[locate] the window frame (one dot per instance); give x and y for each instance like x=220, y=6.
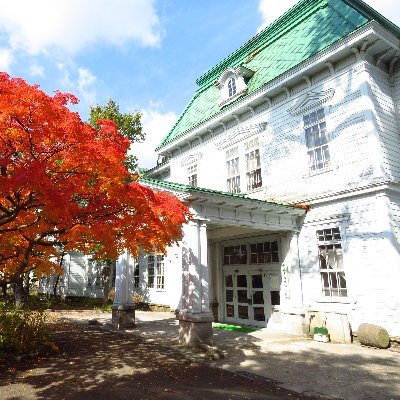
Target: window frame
x=231, y=86
x=136, y=276
x=316, y=130
x=233, y=170
x=157, y=278
x=192, y=174
x=328, y=292
x=271, y=242
x=253, y=175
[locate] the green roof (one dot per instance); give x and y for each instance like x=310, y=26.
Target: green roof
x=306, y=29
x=193, y=189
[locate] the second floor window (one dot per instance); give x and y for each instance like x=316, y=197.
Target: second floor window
x=253, y=169
x=232, y=169
x=316, y=140
x=192, y=175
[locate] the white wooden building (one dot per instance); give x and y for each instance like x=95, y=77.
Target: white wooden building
x=288, y=156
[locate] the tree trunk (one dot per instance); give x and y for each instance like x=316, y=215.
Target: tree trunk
x=4, y=290
x=20, y=295
x=55, y=286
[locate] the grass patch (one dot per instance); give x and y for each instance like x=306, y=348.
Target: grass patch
x=236, y=328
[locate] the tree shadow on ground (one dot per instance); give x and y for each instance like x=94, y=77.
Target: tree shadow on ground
x=315, y=368
x=97, y=364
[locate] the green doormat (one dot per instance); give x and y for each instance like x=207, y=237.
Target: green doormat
x=237, y=328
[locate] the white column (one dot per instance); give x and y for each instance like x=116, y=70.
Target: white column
x=195, y=279
x=124, y=280
x=123, y=309
x=195, y=319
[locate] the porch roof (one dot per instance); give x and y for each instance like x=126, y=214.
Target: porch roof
x=233, y=208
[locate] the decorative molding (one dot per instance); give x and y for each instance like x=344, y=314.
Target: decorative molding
x=311, y=100
x=191, y=159
x=240, y=134
x=239, y=71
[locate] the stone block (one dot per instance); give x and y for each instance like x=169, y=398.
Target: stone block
x=373, y=335
x=123, y=316
x=195, y=329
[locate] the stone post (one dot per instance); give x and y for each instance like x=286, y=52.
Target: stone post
x=123, y=309
x=195, y=318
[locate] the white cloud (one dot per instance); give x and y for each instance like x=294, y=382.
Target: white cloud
x=156, y=125
x=72, y=25
x=6, y=59
x=271, y=10
x=36, y=70
x=86, y=80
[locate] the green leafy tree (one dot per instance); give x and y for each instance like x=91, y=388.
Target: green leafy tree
x=129, y=125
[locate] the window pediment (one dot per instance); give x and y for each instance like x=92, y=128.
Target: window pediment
x=240, y=134
x=191, y=159
x=311, y=100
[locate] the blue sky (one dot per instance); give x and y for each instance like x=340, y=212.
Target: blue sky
x=145, y=54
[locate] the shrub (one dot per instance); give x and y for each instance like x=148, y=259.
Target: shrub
x=137, y=298
x=22, y=331
x=320, y=330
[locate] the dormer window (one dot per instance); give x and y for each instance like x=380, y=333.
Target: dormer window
x=233, y=84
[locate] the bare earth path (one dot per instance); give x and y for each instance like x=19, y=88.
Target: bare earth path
x=96, y=364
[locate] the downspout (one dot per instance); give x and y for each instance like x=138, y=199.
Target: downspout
x=300, y=274
x=200, y=266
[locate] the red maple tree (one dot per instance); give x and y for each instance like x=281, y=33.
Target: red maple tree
x=63, y=182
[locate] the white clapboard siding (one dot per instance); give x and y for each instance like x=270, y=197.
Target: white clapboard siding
x=385, y=96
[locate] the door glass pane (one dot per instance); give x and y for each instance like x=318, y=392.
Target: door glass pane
x=228, y=281
x=230, y=310
x=242, y=281
x=257, y=281
x=243, y=312
x=259, y=314
x=258, y=297
x=229, y=296
x=275, y=298
x=242, y=296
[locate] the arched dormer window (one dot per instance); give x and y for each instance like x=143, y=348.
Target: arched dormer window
x=233, y=84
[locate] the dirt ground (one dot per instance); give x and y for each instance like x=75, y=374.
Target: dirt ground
x=92, y=363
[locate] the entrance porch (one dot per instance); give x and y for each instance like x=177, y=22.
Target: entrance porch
x=239, y=260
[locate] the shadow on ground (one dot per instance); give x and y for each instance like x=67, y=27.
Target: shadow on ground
x=97, y=364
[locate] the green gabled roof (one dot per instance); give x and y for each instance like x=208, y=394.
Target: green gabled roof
x=194, y=189
x=306, y=29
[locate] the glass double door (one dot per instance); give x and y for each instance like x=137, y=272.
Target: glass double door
x=247, y=298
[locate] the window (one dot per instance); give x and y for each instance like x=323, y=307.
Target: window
x=155, y=271
x=136, y=276
x=192, y=175
x=316, y=140
x=94, y=275
x=235, y=254
x=231, y=86
x=266, y=252
x=331, y=263
x=232, y=169
x=253, y=169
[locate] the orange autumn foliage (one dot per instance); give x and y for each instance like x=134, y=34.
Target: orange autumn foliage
x=64, y=182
